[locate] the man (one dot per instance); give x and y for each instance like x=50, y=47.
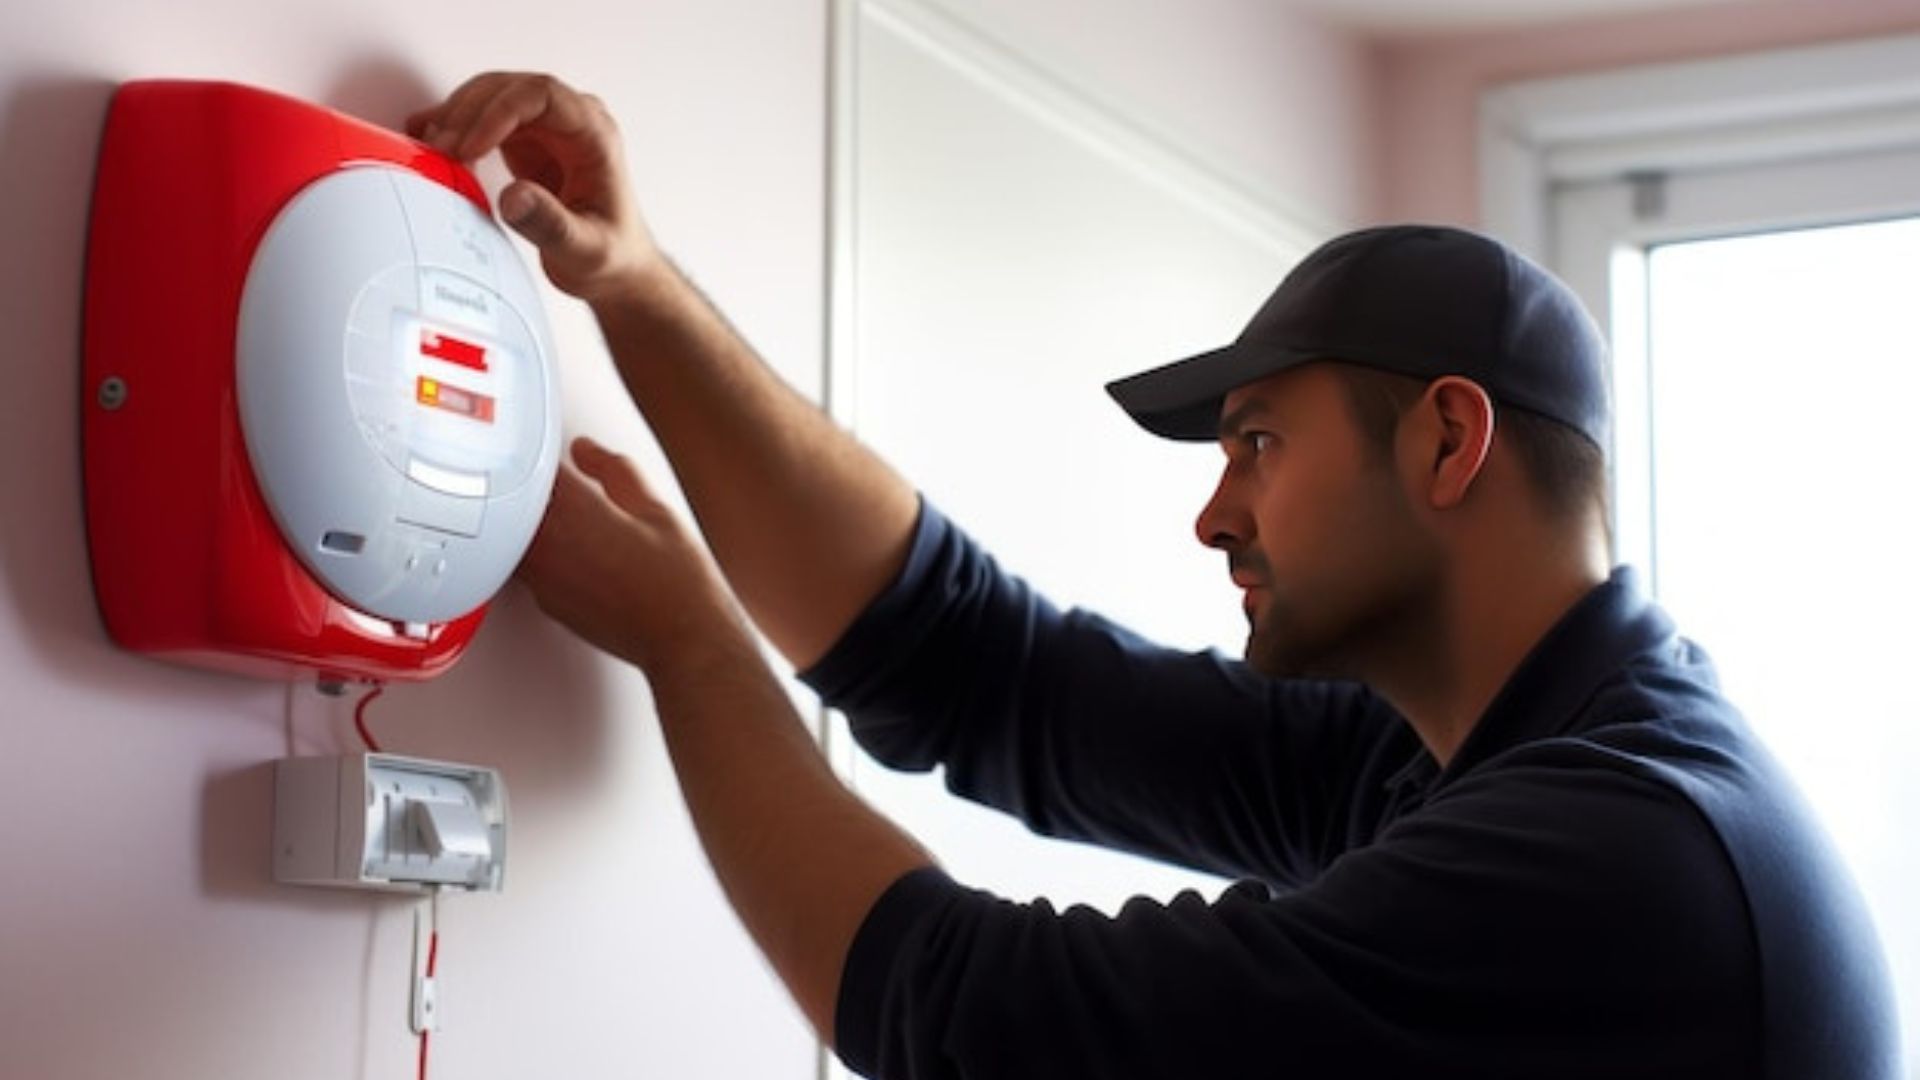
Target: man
x=1493, y=817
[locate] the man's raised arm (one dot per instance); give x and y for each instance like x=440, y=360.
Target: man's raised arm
x=807, y=524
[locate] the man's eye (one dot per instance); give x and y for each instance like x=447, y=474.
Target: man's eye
x=1260, y=441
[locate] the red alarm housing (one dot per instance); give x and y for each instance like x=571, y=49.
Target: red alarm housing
x=295, y=322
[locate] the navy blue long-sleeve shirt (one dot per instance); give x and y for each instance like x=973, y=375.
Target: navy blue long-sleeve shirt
x=1611, y=878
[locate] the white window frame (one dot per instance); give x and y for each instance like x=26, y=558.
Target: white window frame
x=1781, y=110
x=1810, y=102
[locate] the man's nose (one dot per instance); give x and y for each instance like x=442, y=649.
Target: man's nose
x=1222, y=523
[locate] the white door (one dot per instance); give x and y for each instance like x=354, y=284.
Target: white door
x=1006, y=245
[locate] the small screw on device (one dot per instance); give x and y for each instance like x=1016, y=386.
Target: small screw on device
x=113, y=392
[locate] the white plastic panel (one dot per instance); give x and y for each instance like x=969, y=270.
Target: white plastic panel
x=428, y=822
x=383, y=821
x=397, y=393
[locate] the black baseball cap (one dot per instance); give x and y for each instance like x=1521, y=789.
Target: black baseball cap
x=1420, y=300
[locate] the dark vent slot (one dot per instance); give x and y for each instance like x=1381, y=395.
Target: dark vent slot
x=343, y=543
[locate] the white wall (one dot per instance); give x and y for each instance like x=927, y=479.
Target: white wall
x=1010, y=254
x=140, y=934
x=1273, y=91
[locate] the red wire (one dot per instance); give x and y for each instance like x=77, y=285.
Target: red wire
x=360, y=718
x=433, y=961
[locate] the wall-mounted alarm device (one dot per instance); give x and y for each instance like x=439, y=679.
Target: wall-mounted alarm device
x=320, y=414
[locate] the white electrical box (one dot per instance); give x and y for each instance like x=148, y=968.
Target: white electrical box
x=382, y=821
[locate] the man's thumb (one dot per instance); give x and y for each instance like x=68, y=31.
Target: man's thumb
x=534, y=213
x=617, y=475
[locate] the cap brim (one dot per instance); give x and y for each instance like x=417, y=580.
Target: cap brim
x=1182, y=400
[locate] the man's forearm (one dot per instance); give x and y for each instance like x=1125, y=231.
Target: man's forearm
x=801, y=858
x=807, y=524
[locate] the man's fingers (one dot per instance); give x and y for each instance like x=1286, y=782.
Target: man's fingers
x=616, y=474
x=416, y=123
x=523, y=101
x=536, y=214
x=467, y=107
x=483, y=111
x=433, y=125
x=569, y=483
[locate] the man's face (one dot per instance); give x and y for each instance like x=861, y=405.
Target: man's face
x=1317, y=529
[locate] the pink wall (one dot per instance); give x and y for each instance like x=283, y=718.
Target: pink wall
x=140, y=934
x=1429, y=88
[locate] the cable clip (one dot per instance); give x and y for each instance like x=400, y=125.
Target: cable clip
x=426, y=955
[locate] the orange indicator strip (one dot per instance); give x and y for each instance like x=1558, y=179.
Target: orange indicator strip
x=436, y=394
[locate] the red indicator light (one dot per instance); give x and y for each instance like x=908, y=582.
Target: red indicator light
x=438, y=395
x=453, y=350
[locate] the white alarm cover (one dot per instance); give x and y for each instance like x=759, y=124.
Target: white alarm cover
x=397, y=393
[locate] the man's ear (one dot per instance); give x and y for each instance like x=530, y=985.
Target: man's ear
x=1459, y=415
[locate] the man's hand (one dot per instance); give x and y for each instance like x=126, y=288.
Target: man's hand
x=617, y=567
x=801, y=859
x=570, y=195
x=808, y=525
